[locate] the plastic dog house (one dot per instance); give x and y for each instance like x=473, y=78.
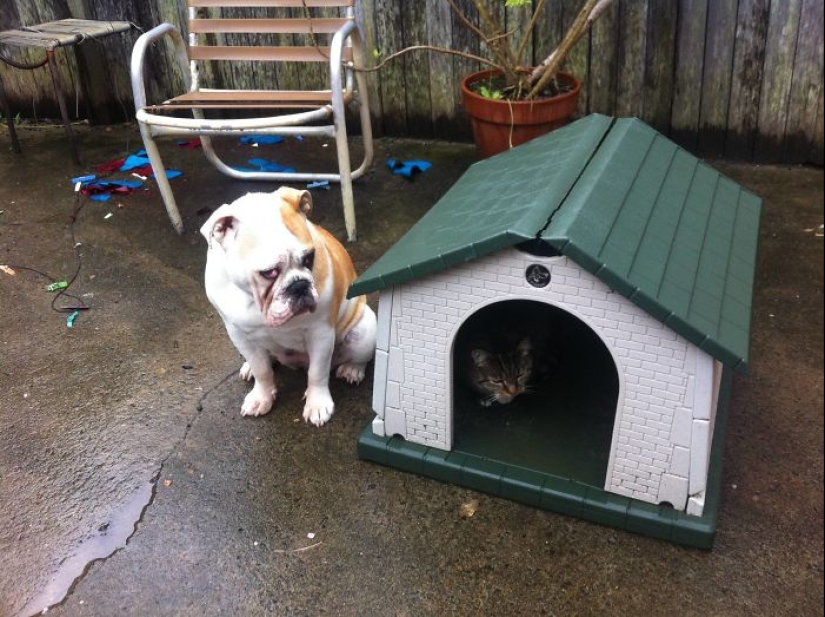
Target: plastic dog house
x=643, y=257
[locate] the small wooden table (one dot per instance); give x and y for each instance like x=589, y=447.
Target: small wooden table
x=49, y=36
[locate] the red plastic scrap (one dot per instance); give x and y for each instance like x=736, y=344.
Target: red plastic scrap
x=111, y=166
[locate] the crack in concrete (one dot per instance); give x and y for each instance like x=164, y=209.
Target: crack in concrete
x=113, y=537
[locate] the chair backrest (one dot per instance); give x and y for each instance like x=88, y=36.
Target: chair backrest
x=289, y=33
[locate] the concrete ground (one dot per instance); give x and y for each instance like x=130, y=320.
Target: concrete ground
x=131, y=485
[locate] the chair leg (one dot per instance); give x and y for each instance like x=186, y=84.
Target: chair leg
x=345, y=170
x=6, y=109
x=61, y=101
x=366, y=123
x=161, y=178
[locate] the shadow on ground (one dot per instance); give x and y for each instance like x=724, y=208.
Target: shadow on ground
x=131, y=485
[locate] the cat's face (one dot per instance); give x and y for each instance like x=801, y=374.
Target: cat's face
x=502, y=376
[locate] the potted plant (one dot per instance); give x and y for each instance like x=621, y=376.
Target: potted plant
x=511, y=102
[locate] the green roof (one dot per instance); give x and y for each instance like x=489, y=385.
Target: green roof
x=650, y=220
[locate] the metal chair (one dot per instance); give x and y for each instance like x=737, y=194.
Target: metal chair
x=222, y=32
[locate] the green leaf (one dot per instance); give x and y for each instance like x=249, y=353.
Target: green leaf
x=490, y=94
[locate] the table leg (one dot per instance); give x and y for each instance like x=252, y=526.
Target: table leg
x=4, y=102
x=61, y=101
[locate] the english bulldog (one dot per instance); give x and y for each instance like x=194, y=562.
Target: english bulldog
x=280, y=284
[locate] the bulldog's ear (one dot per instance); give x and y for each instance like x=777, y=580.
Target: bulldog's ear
x=219, y=224
x=300, y=200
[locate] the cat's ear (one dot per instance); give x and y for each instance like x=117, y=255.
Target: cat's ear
x=480, y=357
x=525, y=347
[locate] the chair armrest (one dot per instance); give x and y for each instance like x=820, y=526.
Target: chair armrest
x=351, y=32
x=139, y=59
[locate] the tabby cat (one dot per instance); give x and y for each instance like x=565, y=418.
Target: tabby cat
x=507, y=350
x=500, y=374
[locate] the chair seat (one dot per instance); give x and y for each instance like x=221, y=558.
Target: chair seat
x=246, y=99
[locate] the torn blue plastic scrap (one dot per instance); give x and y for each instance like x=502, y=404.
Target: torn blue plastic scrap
x=261, y=139
x=408, y=169
x=70, y=319
x=264, y=165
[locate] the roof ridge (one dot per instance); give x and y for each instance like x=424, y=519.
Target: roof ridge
x=571, y=188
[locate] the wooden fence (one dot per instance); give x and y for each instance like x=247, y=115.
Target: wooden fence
x=735, y=79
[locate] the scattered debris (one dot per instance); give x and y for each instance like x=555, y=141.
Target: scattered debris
x=265, y=165
x=138, y=164
x=192, y=143
x=468, y=509
x=299, y=550
x=818, y=232
x=408, y=169
x=71, y=318
x=261, y=140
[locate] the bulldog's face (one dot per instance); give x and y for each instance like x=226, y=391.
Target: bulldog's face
x=268, y=251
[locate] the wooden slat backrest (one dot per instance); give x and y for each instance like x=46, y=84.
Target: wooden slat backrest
x=266, y=30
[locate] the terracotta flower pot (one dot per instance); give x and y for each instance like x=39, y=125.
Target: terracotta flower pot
x=499, y=125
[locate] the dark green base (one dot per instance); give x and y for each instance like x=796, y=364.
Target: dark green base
x=560, y=494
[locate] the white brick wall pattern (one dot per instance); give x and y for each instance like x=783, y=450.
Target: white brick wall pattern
x=668, y=388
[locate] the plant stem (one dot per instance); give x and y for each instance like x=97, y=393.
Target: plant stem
x=530, y=30
x=546, y=72
x=498, y=43
x=443, y=50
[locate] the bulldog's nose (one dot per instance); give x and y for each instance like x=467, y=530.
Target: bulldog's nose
x=299, y=288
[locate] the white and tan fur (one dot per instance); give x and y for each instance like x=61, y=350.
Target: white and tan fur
x=280, y=284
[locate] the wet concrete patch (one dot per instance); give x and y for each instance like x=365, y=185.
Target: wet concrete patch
x=144, y=388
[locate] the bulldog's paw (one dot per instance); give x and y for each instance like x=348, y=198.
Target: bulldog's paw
x=351, y=372
x=246, y=372
x=319, y=407
x=258, y=403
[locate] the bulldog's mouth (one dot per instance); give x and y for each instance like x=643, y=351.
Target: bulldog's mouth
x=302, y=297
x=281, y=305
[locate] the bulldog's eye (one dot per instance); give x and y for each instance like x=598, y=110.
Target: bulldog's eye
x=309, y=260
x=271, y=274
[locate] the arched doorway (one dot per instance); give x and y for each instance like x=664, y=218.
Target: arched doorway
x=564, y=424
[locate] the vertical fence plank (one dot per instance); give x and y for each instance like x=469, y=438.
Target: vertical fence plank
x=549, y=30
x=717, y=78
x=658, y=83
x=389, y=38
x=463, y=40
x=442, y=78
x=815, y=154
x=367, y=13
x=783, y=30
x=631, y=71
x=416, y=71
x=689, y=67
x=748, y=69
x=806, y=86
x=577, y=59
x=604, y=46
